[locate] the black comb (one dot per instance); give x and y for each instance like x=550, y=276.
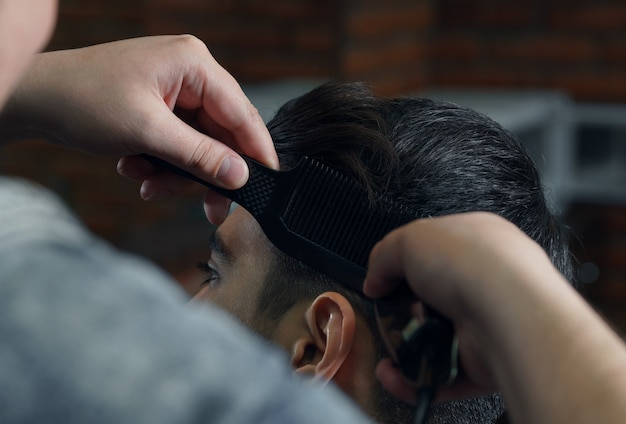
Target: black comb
x=314, y=214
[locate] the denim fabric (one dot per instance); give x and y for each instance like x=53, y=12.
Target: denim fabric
x=91, y=335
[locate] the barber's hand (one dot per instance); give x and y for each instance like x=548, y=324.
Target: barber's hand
x=118, y=98
x=462, y=266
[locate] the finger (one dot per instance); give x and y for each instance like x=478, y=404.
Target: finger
x=163, y=185
x=235, y=113
x=158, y=184
x=463, y=388
x=208, y=86
x=193, y=151
x=155, y=183
x=135, y=167
x=207, y=125
x=393, y=380
x=216, y=207
x=385, y=269
x=225, y=102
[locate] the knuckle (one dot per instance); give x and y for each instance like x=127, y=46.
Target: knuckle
x=205, y=157
x=191, y=42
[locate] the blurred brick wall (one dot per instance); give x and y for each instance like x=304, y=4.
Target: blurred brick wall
x=578, y=46
x=385, y=43
x=398, y=46
x=254, y=39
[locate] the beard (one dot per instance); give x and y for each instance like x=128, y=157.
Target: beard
x=479, y=410
x=489, y=409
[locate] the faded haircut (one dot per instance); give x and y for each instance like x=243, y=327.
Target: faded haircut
x=434, y=157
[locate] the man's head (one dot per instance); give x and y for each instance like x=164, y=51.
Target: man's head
x=433, y=157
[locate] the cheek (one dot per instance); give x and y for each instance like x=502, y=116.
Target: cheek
x=239, y=299
x=237, y=296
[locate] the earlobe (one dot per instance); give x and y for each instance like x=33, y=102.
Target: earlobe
x=331, y=322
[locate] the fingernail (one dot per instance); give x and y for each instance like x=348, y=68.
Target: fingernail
x=148, y=192
x=216, y=213
x=233, y=172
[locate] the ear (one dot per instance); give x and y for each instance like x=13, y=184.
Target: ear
x=331, y=323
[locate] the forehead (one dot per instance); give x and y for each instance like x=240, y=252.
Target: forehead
x=243, y=266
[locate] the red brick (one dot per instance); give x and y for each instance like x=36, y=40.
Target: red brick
x=614, y=51
x=545, y=48
x=82, y=30
x=486, y=14
x=271, y=66
x=245, y=38
x=80, y=165
x=615, y=218
x=590, y=15
x=364, y=58
x=292, y=10
x=485, y=75
x=400, y=83
x=383, y=19
x=456, y=48
x=314, y=38
x=276, y=9
x=102, y=4
x=293, y=38
x=591, y=84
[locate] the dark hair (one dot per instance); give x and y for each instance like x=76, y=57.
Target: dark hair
x=434, y=157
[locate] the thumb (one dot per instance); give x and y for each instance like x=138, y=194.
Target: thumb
x=204, y=156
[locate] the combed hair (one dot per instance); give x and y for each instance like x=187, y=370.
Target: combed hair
x=436, y=158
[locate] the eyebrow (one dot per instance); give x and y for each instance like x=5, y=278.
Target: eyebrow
x=217, y=246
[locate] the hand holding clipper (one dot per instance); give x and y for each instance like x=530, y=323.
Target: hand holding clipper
x=420, y=342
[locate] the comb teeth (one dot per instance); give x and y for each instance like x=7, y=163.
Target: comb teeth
x=334, y=212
